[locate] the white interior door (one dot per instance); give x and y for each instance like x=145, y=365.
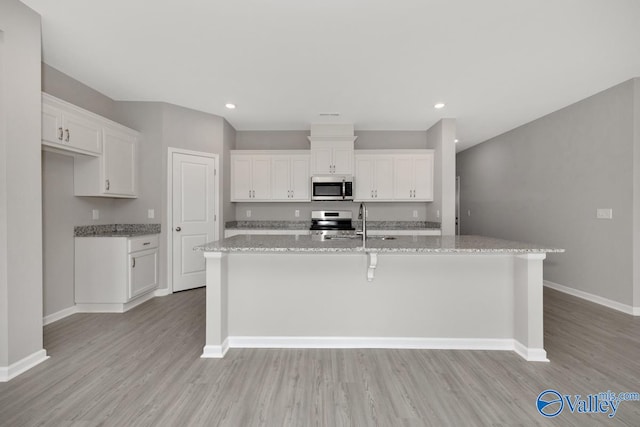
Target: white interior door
x=194, y=222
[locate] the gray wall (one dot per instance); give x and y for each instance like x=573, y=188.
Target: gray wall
x=297, y=140
x=441, y=138
x=543, y=182
x=636, y=192
x=20, y=185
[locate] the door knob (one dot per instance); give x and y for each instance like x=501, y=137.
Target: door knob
x=178, y=229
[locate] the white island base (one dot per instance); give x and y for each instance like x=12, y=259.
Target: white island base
x=470, y=301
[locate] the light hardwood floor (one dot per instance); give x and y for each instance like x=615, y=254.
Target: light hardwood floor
x=143, y=368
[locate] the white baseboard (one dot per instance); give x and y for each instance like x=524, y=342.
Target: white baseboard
x=628, y=309
x=162, y=292
x=113, y=307
x=23, y=365
x=371, y=342
x=215, y=351
x=59, y=315
x=530, y=354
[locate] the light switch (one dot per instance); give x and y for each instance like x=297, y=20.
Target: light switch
x=151, y=213
x=469, y=212
x=415, y=213
x=438, y=213
x=604, y=213
x=248, y=213
x=297, y=213
x=95, y=214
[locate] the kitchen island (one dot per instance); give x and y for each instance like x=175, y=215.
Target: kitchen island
x=457, y=292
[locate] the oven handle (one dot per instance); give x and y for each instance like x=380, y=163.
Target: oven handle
x=344, y=189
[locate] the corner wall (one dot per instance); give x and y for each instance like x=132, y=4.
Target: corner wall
x=441, y=137
x=21, y=344
x=542, y=183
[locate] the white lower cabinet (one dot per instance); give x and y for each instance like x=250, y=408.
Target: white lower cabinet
x=112, y=274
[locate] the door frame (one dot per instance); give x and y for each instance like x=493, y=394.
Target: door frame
x=169, y=205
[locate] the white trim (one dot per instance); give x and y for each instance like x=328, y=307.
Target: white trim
x=615, y=305
x=23, y=365
x=169, y=207
x=47, y=320
x=215, y=351
x=114, y=307
x=161, y=292
x=530, y=354
x=372, y=342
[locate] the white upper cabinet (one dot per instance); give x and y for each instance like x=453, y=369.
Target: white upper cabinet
x=290, y=178
x=114, y=173
x=394, y=175
x=414, y=177
x=331, y=156
x=69, y=128
x=275, y=175
x=374, y=177
x=250, y=177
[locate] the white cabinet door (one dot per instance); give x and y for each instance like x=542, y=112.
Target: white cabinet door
x=119, y=163
x=69, y=128
x=403, y=181
x=280, y=178
x=261, y=178
x=343, y=160
x=82, y=132
x=423, y=178
x=143, y=272
x=300, y=178
x=241, y=178
x=414, y=177
x=383, y=174
x=332, y=157
x=321, y=160
x=364, y=178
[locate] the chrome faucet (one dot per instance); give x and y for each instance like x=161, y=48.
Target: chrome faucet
x=362, y=215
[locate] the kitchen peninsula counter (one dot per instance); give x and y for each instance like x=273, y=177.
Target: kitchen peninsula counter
x=421, y=292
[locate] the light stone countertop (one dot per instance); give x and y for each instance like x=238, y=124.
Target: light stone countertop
x=401, y=244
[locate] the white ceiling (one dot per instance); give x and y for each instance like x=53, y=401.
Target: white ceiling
x=382, y=64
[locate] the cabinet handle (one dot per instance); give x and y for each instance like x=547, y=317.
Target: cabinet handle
x=107, y=184
x=249, y=193
x=68, y=135
x=376, y=194
x=146, y=243
x=254, y=194
x=133, y=262
x=372, y=194
x=60, y=133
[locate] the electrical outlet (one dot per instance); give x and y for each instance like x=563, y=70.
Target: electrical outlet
x=469, y=212
x=415, y=214
x=248, y=213
x=95, y=214
x=604, y=213
x=297, y=213
x=438, y=213
x=151, y=213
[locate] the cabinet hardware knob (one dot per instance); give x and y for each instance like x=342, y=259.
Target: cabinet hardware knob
x=178, y=229
x=68, y=135
x=133, y=262
x=60, y=133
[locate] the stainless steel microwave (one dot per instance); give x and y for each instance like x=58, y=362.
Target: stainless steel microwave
x=332, y=187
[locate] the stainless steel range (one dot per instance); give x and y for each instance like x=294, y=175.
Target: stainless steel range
x=332, y=224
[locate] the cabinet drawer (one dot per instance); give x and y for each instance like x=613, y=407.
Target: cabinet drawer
x=143, y=242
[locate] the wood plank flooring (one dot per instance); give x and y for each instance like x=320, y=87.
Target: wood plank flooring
x=143, y=368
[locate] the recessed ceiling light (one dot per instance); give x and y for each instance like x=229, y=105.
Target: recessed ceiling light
x=456, y=140
x=439, y=105
x=230, y=106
